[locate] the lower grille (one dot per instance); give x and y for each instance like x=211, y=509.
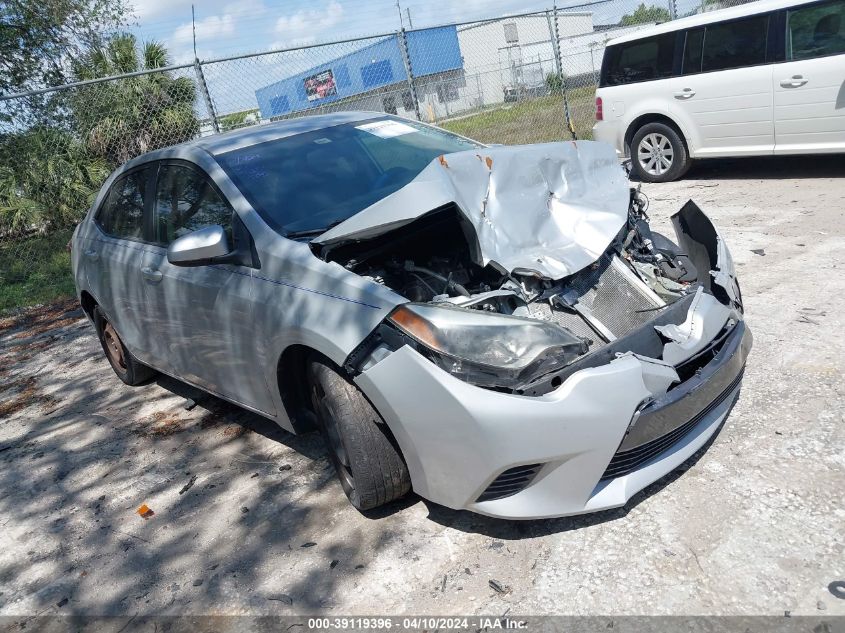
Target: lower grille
x=625, y=462
x=510, y=482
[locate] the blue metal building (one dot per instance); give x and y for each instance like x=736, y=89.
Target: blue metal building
x=375, y=67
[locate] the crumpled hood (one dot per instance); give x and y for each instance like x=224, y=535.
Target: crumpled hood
x=549, y=209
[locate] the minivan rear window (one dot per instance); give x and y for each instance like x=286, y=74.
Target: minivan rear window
x=641, y=60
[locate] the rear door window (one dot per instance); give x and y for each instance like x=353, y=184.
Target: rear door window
x=817, y=30
x=641, y=60
x=122, y=213
x=735, y=44
x=186, y=201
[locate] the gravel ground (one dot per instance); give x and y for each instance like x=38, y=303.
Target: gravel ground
x=245, y=518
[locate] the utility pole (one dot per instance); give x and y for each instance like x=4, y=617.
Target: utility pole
x=408, y=13
x=206, y=95
x=401, y=22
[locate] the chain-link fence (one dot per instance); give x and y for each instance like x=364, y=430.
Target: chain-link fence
x=516, y=79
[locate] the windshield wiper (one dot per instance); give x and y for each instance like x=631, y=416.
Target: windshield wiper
x=313, y=232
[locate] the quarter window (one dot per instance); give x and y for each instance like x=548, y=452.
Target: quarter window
x=187, y=201
x=122, y=213
x=735, y=44
x=641, y=60
x=692, y=52
x=815, y=31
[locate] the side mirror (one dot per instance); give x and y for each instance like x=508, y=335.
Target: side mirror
x=198, y=248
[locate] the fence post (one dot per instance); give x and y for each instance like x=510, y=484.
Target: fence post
x=556, y=43
x=673, y=9
x=209, y=104
x=406, y=59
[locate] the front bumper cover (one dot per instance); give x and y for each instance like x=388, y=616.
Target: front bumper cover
x=457, y=438
x=648, y=412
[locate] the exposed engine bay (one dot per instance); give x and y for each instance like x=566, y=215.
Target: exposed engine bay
x=641, y=275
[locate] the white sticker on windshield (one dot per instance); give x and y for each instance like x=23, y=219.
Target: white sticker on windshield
x=386, y=129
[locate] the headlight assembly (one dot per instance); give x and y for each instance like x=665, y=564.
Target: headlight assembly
x=484, y=348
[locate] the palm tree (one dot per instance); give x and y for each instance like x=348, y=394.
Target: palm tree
x=48, y=181
x=123, y=118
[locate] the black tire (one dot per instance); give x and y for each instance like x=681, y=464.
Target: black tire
x=128, y=368
x=655, y=144
x=368, y=462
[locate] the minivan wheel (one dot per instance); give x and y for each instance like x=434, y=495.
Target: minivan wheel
x=658, y=153
x=126, y=366
x=368, y=462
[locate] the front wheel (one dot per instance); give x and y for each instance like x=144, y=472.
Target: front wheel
x=658, y=153
x=368, y=463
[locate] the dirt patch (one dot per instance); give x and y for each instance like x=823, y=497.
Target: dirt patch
x=234, y=430
x=42, y=319
x=20, y=353
x=162, y=424
x=24, y=394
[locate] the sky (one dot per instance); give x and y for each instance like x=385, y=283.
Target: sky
x=232, y=27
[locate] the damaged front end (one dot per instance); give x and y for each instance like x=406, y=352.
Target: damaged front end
x=521, y=333
x=620, y=347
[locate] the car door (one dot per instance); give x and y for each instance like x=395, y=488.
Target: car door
x=202, y=315
x=724, y=93
x=809, y=87
x=112, y=254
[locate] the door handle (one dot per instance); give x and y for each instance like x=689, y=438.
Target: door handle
x=151, y=274
x=92, y=254
x=795, y=82
x=686, y=93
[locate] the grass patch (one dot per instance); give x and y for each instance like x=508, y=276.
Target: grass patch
x=539, y=120
x=35, y=270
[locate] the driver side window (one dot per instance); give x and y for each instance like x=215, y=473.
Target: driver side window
x=186, y=201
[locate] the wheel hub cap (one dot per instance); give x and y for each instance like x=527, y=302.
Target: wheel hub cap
x=655, y=154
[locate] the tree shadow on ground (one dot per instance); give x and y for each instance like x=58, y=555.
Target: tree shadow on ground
x=242, y=513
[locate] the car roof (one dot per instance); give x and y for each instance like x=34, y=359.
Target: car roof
x=251, y=135
x=700, y=19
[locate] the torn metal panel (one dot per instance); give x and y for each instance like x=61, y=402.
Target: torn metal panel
x=547, y=210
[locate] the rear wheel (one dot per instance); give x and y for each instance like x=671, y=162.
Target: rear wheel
x=126, y=366
x=368, y=462
x=658, y=153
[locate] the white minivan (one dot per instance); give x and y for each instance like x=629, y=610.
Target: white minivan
x=758, y=79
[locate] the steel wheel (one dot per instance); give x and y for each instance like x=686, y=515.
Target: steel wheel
x=124, y=364
x=655, y=153
x=339, y=455
x=114, y=348
x=367, y=460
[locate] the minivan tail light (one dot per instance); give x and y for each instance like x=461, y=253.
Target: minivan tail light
x=599, y=110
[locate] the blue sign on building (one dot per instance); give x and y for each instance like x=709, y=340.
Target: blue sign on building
x=374, y=66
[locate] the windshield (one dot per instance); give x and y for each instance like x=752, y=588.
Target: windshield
x=303, y=184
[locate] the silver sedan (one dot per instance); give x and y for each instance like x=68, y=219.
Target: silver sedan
x=496, y=328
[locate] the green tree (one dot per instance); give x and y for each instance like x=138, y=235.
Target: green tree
x=124, y=118
x=38, y=37
x=48, y=180
x=646, y=15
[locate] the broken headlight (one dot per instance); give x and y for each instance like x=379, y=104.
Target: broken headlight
x=492, y=350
